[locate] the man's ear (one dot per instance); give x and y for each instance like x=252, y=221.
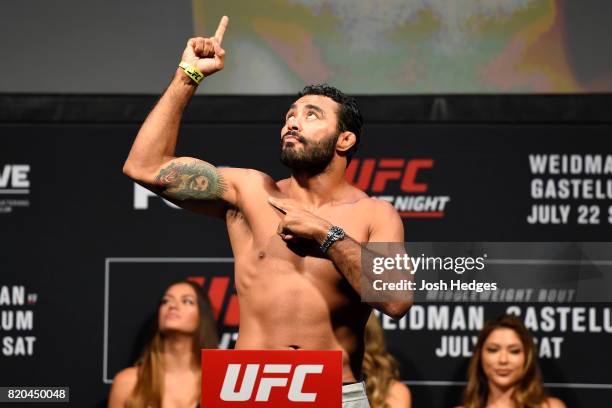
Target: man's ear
x=346, y=140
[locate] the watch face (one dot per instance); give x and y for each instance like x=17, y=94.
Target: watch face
x=338, y=233
x=334, y=234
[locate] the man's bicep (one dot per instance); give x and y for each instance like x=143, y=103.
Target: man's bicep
x=188, y=181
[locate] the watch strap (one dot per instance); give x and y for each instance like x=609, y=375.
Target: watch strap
x=334, y=234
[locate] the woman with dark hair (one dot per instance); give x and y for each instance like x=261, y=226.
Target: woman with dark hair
x=168, y=373
x=504, y=371
x=380, y=370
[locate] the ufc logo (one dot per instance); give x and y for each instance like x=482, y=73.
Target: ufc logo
x=404, y=171
x=271, y=378
x=295, y=393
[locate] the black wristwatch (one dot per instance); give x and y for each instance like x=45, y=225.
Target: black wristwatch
x=334, y=234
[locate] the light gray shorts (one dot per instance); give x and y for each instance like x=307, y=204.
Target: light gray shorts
x=354, y=396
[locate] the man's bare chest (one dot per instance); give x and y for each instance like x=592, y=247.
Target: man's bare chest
x=257, y=246
x=260, y=220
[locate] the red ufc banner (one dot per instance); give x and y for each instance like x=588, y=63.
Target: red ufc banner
x=271, y=378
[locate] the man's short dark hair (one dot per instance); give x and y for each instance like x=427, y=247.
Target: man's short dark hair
x=349, y=117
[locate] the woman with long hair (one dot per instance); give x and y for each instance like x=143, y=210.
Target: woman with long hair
x=168, y=373
x=381, y=372
x=503, y=371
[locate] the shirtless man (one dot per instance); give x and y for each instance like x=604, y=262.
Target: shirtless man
x=292, y=293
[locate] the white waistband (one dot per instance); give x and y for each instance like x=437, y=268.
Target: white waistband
x=355, y=390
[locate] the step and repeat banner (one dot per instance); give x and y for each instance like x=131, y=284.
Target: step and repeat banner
x=86, y=253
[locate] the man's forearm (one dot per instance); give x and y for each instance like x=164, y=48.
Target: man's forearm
x=156, y=139
x=346, y=255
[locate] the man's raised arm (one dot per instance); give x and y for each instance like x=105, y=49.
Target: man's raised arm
x=189, y=182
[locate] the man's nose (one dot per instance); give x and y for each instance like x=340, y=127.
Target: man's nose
x=293, y=123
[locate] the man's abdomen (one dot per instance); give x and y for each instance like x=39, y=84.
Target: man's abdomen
x=282, y=309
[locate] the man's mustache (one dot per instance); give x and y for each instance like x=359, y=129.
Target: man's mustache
x=295, y=134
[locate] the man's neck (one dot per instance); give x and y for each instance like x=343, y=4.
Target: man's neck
x=316, y=190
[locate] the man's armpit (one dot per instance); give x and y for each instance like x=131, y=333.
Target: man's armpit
x=196, y=180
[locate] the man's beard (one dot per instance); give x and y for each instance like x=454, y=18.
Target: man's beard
x=313, y=158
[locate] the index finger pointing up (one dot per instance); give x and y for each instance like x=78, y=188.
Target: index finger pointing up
x=221, y=29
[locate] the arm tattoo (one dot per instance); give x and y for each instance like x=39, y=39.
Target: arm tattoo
x=191, y=181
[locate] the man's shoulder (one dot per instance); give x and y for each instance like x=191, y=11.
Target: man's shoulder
x=246, y=173
x=355, y=195
x=374, y=207
x=380, y=207
x=248, y=179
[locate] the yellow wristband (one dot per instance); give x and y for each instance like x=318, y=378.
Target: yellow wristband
x=192, y=72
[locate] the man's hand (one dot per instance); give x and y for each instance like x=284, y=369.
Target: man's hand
x=299, y=223
x=206, y=54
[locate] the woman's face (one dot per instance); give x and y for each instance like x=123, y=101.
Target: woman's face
x=178, y=310
x=503, y=358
